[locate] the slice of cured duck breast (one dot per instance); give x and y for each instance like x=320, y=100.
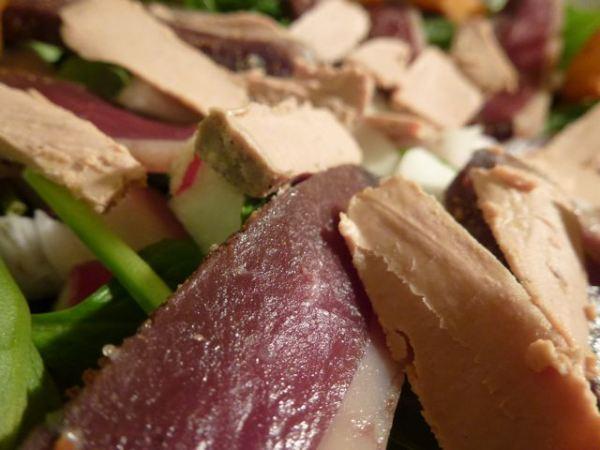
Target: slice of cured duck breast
x=489, y=367
x=268, y=345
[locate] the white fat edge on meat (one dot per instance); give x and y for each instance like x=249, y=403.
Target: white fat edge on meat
x=364, y=419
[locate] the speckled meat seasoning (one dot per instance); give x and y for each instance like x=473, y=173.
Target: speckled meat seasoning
x=255, y=351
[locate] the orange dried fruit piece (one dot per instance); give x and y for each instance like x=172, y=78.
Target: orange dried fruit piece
x=582, y=79
x=456, y=10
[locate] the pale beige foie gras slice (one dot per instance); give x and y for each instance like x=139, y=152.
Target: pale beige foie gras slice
x=345, y=91
x=572, y=159
x=122, y=32
x=68, y=150
x=384, y=58
x=435, y=89
x=490, y=370
x=260, y=148
x=478, y=53
x=332, y=28
x=541, y=242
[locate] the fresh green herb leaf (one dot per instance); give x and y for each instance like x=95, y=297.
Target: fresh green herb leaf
x=251, y=204
x=148, y=290
x=580, y=25
x=439, y=31
x=46, y=52
x=562, y=116
x=273, y=8
x=409, y=430
x=26, y=391
x=104, y=79
x=71, y=340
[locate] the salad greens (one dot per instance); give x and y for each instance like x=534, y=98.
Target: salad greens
x=148, y=290
x=580, y=25
x=562, y=115
x=71, y=340
x=48, y=53
x=26, y=391
x=106, y=80
x=273, y=8
x=250, y=205
x=439, y=31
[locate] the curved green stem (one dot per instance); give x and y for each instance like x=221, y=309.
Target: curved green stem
x=147, y=288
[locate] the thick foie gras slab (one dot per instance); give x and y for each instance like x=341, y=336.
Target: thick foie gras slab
x=261, y=148
x=489, y=368
x=65, y=148
x=155, y=144
x=256, y=350
x=542, y=244
x=122, y=32
x=572, y=159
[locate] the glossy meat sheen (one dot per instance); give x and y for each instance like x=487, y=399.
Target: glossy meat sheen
x=255, y=351
x=116, y=122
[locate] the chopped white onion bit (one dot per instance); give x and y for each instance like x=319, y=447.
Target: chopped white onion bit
x=39, y=252
x=456, y=146
x=425, y=169
x=380, y=155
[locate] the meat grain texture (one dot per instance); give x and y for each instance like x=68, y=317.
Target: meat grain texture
x=255, y=351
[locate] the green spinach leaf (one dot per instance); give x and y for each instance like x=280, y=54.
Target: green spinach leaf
x=580, y=25
x=439, y=31
x=71, y=340
x=26, y=391
x=106, y=80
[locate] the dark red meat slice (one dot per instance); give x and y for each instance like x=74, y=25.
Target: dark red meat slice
x=500, y=109
x=528, y=30
x=400, y=21
x=33, y=19
x=116, y=122
x=278, y=59
x=254, y=351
